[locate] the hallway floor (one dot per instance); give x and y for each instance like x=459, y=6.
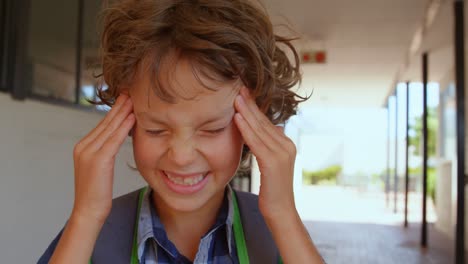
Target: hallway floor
x=357, y=227
x=350, y=243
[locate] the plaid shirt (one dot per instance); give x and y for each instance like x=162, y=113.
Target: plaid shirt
x=217, y=246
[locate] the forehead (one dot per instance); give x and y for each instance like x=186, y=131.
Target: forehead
x=191, y=91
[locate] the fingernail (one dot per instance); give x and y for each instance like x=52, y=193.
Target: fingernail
x=121, y=98
x=240, y=99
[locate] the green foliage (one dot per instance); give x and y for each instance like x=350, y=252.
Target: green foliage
x=431, y=182
x=432, y=124
x=416, y=141
x=325, y=176
x=431, y=179
x=416, y=172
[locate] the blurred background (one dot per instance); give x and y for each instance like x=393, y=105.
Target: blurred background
x=376, y=177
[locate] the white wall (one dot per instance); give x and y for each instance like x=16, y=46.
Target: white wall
x=446, y=189
x=36, y=176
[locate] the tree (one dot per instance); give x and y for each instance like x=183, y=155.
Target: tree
x=415, y=138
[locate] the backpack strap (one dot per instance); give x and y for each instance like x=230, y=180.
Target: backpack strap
x=114, y=243
x=260, y=244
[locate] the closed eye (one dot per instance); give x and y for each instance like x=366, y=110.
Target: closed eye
x=155, y=132
x=216, y=131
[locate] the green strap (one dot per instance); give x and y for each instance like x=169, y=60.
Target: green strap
x=237, y=226
x=134, y=257
x=239, y=234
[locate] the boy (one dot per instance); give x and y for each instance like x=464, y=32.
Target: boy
x=193, y=83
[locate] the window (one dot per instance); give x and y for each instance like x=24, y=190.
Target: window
x=52, y=48
x=62, y=51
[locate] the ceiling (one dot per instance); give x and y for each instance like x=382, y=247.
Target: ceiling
x=438, y=43
x=367, y=44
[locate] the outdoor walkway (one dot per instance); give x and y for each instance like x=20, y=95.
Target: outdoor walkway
x=350, y=243
x=350, y=205
x=351, y=226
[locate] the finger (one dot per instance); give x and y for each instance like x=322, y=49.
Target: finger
x=280, y=129
x=255, y=143
x=111, y=127
x=91, y=136
x=113, y=143
x=119, y=104
x=267, y=126
x=263, y=153
x=259, y=127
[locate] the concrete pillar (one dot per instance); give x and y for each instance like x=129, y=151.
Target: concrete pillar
x=444, y=205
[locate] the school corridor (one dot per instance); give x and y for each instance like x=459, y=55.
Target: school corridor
x=377, y=243
x=358, y=227
x=381, y=142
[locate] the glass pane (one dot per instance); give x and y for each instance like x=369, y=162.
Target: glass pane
x=90, y=53
x=52, y=48
x=4, y=34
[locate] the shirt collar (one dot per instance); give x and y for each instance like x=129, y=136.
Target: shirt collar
x=149, y=221
x=145, y=224
x=230, y=217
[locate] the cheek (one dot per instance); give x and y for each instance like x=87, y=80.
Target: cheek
x=224, y=150
x=146, y=151
x=237, y=141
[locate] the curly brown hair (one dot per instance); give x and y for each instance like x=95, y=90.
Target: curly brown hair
x=227, y=39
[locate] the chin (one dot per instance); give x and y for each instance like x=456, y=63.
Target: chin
x=187, y=204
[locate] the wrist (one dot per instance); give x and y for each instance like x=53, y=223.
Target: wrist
x=78, y=240
x=280, y=214
x=87, y=222
x=94, y=214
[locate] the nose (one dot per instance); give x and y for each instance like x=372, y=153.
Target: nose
x=182, y=152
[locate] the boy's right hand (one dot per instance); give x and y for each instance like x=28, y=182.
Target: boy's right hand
x=94, y=160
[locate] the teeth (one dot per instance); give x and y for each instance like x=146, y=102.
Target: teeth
x=188, y=181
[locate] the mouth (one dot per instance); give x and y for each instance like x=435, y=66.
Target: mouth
x=185, y=179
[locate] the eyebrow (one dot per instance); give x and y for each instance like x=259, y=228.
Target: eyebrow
x=153, y=119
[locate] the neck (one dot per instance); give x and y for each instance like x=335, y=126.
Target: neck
x=185, y=228
x=183, y=222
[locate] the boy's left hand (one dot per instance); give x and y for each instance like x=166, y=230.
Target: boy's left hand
x=275, y=154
